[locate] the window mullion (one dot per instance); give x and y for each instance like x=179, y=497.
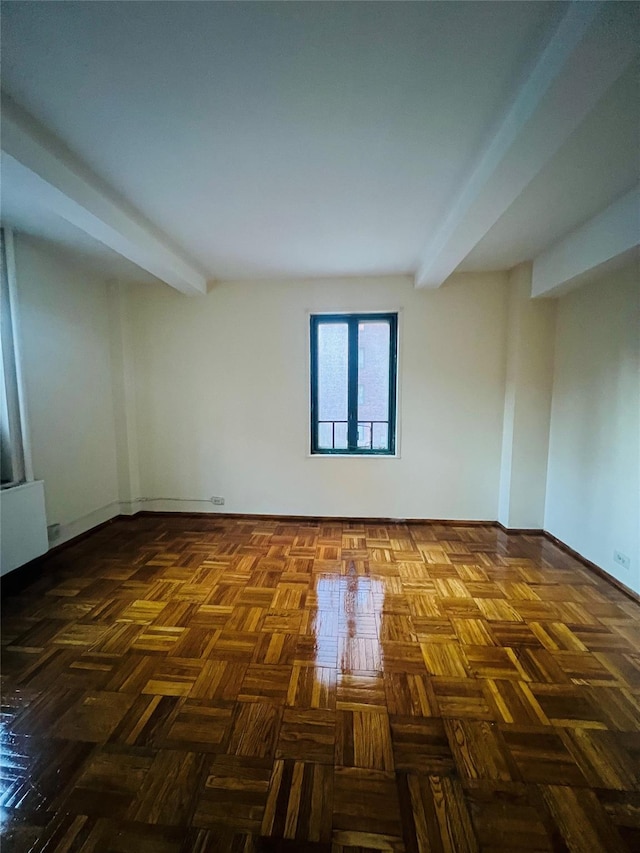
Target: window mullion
x=352, y=394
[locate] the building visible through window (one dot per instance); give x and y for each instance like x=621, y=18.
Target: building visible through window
x=353, y=383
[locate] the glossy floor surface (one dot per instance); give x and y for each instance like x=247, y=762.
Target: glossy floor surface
x=186, y=684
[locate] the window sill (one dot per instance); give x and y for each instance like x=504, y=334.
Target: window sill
x=353, y=456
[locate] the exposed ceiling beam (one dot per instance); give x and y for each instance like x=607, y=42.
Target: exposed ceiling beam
x=66, y=187
x=613, y=233
x=590, y=48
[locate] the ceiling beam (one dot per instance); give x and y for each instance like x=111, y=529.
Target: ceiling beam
x=590, y=48
x=63, y=185
x=613, y=233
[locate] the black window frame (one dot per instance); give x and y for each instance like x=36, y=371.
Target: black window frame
x=353, y=321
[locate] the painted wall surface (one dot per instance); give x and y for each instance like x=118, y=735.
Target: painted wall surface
x=527, y=405
x=139, y=392
x=223, y=398
x=593, y=480
x=68, y=381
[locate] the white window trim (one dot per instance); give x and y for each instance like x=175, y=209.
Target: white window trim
x=371, y=459
x=14, y=309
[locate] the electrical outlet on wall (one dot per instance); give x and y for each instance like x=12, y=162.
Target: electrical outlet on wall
x=217, y=501
x=621, y=559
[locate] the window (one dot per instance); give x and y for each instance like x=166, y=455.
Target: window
x=353, y=384
x=12, y=461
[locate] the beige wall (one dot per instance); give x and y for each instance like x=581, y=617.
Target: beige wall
x=527, y=404
x=141, y=392
x=593, y=481
x=67, y=376
x=222, y=399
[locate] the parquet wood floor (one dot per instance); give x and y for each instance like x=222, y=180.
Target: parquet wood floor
x=189, y=685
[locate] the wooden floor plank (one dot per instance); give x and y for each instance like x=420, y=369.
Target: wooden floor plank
x=243, y=685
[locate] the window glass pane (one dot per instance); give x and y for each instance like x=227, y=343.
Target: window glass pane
x=332, y=435
x=325, y=436
x=333, y=350
x=341, y=436
x=380, y=436
x=364, y=435
x=373, y=378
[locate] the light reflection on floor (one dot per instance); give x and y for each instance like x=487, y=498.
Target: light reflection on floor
x=349, y=606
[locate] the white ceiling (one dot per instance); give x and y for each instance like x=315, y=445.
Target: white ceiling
x=25, y=211
x=598, y=163
x=306, y=139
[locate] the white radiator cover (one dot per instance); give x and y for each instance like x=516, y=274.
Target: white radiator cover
x=23, y=525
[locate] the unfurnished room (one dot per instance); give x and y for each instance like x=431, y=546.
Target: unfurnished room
x=320, y=422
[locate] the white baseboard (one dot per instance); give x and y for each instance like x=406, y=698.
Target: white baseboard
x=169, y=505
x=87, y=522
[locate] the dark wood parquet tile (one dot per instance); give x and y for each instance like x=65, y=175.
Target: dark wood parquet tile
x=265, y=683
x=197, y=725
x=459, y=698
x=510, y=817
x=444, y=659
x=623, y=809
x=82, y=832
x=146, y=720
x=166, y=795
x=93, y=717
x=110, y=781
x=237, y=646
x=582, y=821
x=541, y=755
x=569, y=705
x=479, y=750
x=267, y=844
x=358, y=691
x=312, y=687
x=255, y=729
x=491, y=662
x=435, y=815
x=363, y=739
x=409, y=694
x=189, y=685
x=219, y=841
x=366, y=807
x=603, y=758
x=421, y=746
x=234, y=794
x=300, y=802
x=277, y=648
x=513, y=702
x=219, y=680
x=307, y=735
x=619, y=707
